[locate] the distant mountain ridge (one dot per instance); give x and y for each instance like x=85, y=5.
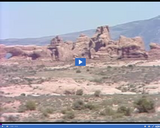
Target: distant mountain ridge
x=148, y=29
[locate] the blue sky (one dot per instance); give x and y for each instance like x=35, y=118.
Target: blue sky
x=38, y=19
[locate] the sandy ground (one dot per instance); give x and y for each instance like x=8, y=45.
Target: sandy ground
x=60, y=85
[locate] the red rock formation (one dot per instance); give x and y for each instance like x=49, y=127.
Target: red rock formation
x=154, y=46
x=154, y=52
x=100, y=46
x=56, y=41
x=25, y=51
x=61, y=50
x=2, y=52
x=132, y=48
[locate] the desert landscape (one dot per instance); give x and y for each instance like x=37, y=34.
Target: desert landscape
x=120, y=82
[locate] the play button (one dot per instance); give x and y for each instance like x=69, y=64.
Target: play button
x=80, y=61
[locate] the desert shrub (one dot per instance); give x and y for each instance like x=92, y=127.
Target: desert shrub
x=22, y=108
x=68, y=92
x=97, y=93
x=107, y=111
x=12, y=118
x=30, y=105
x=145, y=104
x=117, y=115
x=49, y=110
x=23, y=94
x=109, y=67
x=64, y=111
x=45, y=114
x=69, y=115
x=78, y=71
x=87, y=70
x=130, y=66
x=97, y=80
x=124, y=89
x=78, y=105
x=79, y=92
x=90, y=106
x=41, y=66
x=124, y=110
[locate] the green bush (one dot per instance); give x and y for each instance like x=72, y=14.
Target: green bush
x=69, y=115
x=97, y=93
x=22, y=108
x=124, y=110
x=78, y=105
x=78, y=71
x=117, y=115
x=30, y=105
x=109, y=67
x=64, y=111
x=79, y=92
x=12, y=118
x=130, y=66
x=23, y=94
x=87, y=70
x=145, y=104
x=46, y=111
x=90, y=106
x=107, y=111
x=97, y=80
x=49, y=110
x=45, y=114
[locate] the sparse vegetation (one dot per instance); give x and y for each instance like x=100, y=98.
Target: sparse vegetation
x=78, y=105
x=30, y=105
x=97, y=93
x=64, y=111
x=105, y=108
x=69, y=115
x=78, y=71
x=109, y=67
x=47, y=111
x=22, y=108
x=88, y=70
x=12, y=118
x=118, y=115
x=107, y=111
x=90, y=106
x=97, y=80
x=79, y=92
x=145, y=104
x=67, y=92
x=124, y=110
x=130, y=66
x=23, y=94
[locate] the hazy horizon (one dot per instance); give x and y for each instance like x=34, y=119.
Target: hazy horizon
x=39, y=19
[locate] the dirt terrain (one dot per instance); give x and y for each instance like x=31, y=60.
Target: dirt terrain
x=53, y=90
x=120, y=82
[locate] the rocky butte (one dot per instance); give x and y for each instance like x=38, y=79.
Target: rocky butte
x=99, y=46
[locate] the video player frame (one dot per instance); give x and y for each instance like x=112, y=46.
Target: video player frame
x=105, y=75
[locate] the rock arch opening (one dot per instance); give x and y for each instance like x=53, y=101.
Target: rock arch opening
x=8, y=55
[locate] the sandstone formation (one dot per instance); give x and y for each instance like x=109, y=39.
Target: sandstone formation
x=131, y=47
x=154, y=53
x=2, y=52
x=33, y=52
x=99, y=46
